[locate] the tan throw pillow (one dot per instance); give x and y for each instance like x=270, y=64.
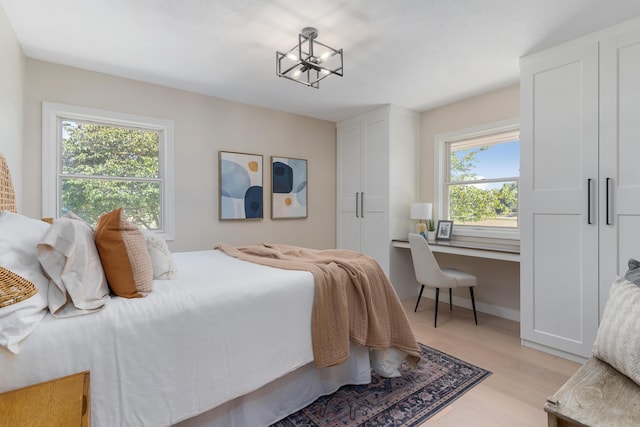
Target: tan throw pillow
x=618, y=341
x=124, y=256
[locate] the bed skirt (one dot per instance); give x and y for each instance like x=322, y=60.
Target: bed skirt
x=287, y=394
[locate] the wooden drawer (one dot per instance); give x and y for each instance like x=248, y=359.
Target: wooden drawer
x=60, y=402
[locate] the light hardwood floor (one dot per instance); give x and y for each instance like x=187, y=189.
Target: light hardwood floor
x=521, y=380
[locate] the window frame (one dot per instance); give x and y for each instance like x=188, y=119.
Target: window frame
x=53, y=113
x=441, y=170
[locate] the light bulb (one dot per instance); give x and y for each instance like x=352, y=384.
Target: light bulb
x=324, y=57
x=292, y=56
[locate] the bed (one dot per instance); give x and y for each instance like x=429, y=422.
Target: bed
x=226, y=342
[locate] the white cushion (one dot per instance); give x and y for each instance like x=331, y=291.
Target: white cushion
x=68, y=255
x=19, y=236
x=618, y=339
x=387, y=363
x=163, y=266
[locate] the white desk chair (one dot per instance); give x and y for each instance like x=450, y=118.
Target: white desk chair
x=429, y=273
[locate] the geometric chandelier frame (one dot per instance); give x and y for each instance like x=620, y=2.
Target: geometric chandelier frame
x=309, y=61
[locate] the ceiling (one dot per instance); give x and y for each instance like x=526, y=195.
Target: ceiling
x=417, y=54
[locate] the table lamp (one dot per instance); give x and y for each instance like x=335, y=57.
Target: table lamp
x=422, y=212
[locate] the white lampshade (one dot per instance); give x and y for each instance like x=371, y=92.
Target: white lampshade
x=421, y=210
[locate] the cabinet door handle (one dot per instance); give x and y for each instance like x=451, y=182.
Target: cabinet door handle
x=588, y=200
x=357, y=216
x=362, y=204
x=608, y=201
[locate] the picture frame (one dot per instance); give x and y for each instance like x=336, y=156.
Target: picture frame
x=240, y=186
x=289, y=188
x=444, y=230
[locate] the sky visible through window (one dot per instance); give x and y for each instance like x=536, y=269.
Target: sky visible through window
x=499, y=161
x=482, y=203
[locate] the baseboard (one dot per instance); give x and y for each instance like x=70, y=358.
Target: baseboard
x=494, y=310
x=554, y=351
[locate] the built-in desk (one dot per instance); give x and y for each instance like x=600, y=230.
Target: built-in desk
x=503, y=252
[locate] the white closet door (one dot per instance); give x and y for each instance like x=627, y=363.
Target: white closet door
x=349, y=186
x=619, y=156
x=375, y=223
x=559, y=246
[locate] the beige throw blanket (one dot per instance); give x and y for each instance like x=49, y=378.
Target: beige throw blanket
x=354, y=299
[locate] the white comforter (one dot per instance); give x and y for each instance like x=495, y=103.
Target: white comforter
x=223, y=328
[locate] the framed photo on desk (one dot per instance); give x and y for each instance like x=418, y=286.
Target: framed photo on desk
x=443, y=232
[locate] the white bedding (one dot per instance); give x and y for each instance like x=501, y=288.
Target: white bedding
x=221, y=329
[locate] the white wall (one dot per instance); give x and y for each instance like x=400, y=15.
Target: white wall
x=12, y=63
x=203, y=125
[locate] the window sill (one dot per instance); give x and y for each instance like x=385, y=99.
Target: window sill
x=471, y=233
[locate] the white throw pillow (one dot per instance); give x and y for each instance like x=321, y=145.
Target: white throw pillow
x=618, y=339
x=163, y=266
x=387, y=363
x=68, y=255
x=19, y=236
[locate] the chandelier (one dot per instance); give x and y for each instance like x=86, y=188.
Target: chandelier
x=309, y=61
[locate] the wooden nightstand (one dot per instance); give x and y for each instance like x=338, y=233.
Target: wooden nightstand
x=60, y=402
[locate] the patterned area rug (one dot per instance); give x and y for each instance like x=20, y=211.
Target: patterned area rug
x=406, y=401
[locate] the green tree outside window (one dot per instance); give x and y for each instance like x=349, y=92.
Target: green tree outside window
x=495, y=203
x=105, y=167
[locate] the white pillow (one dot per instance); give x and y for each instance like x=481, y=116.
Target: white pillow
x=163, y=266
x=68, y=255
x=386, y=363
x=618, y=339
x=19, y=236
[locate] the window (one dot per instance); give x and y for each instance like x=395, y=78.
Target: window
x=478, y=186
x=96, y=161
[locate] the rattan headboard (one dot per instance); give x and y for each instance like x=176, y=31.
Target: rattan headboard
x=7, y=195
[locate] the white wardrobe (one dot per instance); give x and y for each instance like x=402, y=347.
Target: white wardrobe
x=580, y=184
x=377, y=155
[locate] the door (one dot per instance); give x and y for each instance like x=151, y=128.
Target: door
x=619, y=154
x=349, y=185
x=559, y=199
x=375, y=190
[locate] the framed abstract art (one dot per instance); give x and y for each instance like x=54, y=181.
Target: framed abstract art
x=288, y=188
x=240, y=185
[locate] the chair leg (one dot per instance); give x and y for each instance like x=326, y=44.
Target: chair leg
x=419, y=298
x=473, y=303
x=450, y=300
x=435, y=321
